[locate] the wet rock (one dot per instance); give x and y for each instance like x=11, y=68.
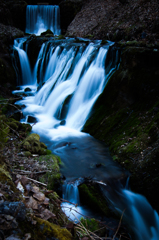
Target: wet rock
x=47, y=33
x=32, y=119
x=15, y=209
x=17, y=115
x=63, y=122
x=27, y=89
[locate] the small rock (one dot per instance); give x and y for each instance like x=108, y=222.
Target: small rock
x=27, y=89
x=16, y=209
x=32, y=119
x=63, y=122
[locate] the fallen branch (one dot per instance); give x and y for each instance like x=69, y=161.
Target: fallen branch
x=33, y=180
x=29, y=172
x=63, y=200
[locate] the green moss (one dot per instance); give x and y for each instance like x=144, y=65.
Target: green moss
x=27, y=154
x=48, y=152
x=90, y=224
x=126, y=117
x=91, y=196
x=33, y=145
x=89, y=36
x=60, y=37
x=4, y=131
x=45, y=230
x=5, y=178
x=48, y=32
x=52, y=178
x=43, y=145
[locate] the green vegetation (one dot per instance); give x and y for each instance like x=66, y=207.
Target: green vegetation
x=52, y=177
x=126, y=118
x=91, y=196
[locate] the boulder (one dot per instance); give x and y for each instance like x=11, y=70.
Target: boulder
x=32, y=144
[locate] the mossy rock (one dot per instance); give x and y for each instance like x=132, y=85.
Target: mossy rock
x=32, y=144
x=13, y=125
x=45, y=230
x=47, y=33
x=27, y=154
x=43, y=145
x=92, y=196
x=52, y=178
x=5, y=178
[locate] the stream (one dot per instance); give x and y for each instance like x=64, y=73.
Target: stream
x=61, y=89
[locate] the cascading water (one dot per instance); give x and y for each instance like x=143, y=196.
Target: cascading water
x=70, y=77
x=40, y=18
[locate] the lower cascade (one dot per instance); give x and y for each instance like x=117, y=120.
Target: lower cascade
x=60, y=91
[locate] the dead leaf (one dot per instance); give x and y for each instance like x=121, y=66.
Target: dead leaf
x=24, y=181
x=39, y=196
x=28, y=187
x=20, y=187
x=46, y=201
x=35, y=189
x=32, y=203
x=12, y=237
x=27, y=236
x=47, y=214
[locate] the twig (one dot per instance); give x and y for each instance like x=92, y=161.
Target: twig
x=33, y=180
x=28, y=172
x=11, y=129
x=13, y=106
x=119, y=225
x=99, y=221
x=63, y=200
x=5, y=132
x=10, y=99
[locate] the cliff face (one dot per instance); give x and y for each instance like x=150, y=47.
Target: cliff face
x=117, y=20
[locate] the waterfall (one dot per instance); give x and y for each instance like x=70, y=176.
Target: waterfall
x=73, y=70
x=40, y=18
x=26, y=78
x=138, y=214
x=70, y=76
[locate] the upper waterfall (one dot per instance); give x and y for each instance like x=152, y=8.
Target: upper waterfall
x=40, y=18
x=74, y=71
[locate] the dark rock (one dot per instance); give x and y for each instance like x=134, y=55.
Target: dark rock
x=5, y=14
x=15, y=209
x=27, y=89
x=63, y=122
x=32, y=119
x=48, y=32
x=155, y=109
x=98, y=165
x=143, y=35
x=123, y=1
x=17, y=115
x=68, y=11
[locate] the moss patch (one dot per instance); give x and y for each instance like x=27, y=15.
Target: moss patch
x=91, y=196
x=53, y=177
x=32, y=144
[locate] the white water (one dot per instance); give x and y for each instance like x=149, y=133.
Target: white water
x=79, y=72
x=40, y=18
